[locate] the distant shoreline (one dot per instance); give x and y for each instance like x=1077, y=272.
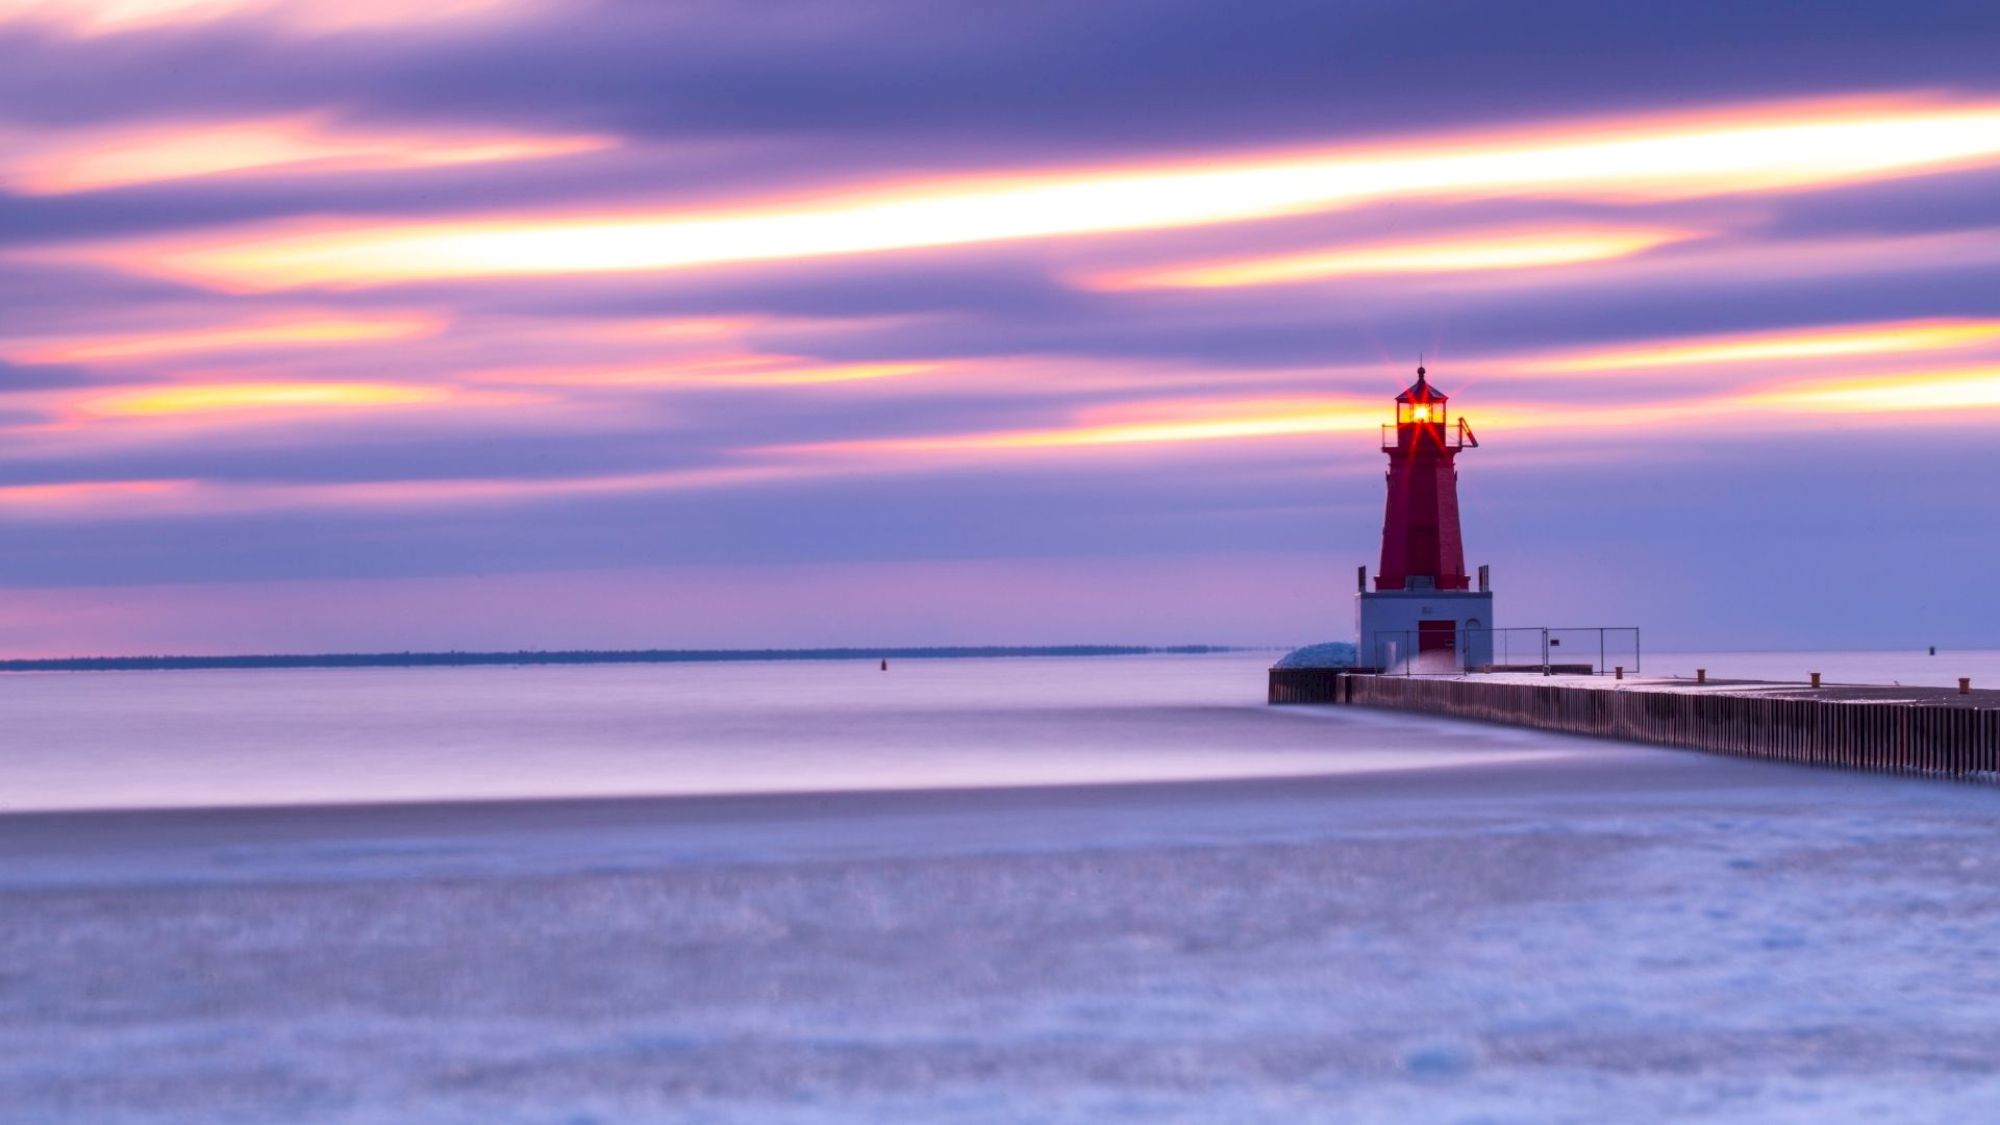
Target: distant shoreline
x=584, y=656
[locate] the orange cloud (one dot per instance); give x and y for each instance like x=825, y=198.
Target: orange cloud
x=230, y=397
x=1529, y=249
x=724, y=370
x=1833, y=342
x=667, y=329
x=285, y=333
x=807, y=374
x=1945, y=395
x=1139, y=424
x=48, y=163
x=1949, y=395
x=171, y=497
x=1748, y=150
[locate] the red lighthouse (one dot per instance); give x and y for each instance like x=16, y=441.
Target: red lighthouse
x=1423, y=606
x=1421, y=547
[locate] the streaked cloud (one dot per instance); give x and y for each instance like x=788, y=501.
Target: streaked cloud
x=101, y=17
x=1467, y=253
x=726, y=370
x=258, y=333
x=68, y=497
x=296, y=289
x=230, y=397
x=1958, y=395
x=1175, y=422
x=50, y=162
x=1135, y=425
x=1749, y=150
x=1824, y=343
x=157, y=498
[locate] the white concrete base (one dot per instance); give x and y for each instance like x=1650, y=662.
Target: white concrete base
x=1387, y=624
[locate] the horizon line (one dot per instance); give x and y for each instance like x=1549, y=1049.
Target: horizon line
x=458, y=658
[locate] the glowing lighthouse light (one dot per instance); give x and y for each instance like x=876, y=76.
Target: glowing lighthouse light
x=1423, y=608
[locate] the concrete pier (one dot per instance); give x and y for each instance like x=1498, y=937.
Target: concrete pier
x=1923, y=731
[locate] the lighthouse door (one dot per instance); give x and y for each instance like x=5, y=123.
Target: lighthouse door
x=1437, y=636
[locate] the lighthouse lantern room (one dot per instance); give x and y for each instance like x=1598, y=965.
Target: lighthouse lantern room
x=1423, y=613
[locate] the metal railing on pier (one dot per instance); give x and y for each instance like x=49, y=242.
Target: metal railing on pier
x=1576, y=650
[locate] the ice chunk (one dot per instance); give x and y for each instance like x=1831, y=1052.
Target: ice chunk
x=1326, y=654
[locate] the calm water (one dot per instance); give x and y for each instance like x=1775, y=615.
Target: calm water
x=263, y=737
x=1566, y=931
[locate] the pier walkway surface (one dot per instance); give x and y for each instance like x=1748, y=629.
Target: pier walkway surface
x=1924, y=731
x=1920, y=695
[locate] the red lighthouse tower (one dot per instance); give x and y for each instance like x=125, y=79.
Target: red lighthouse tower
x=1421, y=547
x=1423, y=607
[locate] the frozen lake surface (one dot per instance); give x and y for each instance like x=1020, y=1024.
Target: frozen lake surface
x=1139, y=897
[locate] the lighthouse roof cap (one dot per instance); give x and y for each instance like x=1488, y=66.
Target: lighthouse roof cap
x=1421, y=391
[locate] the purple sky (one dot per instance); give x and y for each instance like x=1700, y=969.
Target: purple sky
x=533, y=323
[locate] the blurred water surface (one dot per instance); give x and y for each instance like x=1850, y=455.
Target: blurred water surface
x=316, y=736
x=313, y=736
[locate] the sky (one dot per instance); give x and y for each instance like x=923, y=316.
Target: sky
x=357, y=325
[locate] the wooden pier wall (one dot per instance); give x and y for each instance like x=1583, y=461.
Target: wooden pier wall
x=1931, y=738
x=1306, y=685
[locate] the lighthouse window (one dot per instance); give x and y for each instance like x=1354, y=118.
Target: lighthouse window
x=1419, y=413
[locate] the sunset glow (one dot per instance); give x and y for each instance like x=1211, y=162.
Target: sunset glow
x=1825, y=343
x=216, y=398
x=1228, y=422
x=151, y=499
x=786, y=560
x=301, y=291
x=119, y=158
x=1752, y=152
x=1473, y=253
x=274, y=334
x=728, y=370
x=1944, y=394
